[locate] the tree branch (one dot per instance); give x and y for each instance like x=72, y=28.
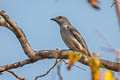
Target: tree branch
x=16, y=75
x=52, y=54
x=56, y=62
x=10, y=24
x=59, y=71
x=117, y=5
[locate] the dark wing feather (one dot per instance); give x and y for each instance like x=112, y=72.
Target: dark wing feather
x=78, y=36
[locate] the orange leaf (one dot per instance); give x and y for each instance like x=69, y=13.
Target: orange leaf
x=94, y=65
x=118, y=54
x=94, y=3
x=108, y=76
x=98, y=56
x=73, y=57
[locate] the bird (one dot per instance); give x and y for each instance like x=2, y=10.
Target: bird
x=71, y=36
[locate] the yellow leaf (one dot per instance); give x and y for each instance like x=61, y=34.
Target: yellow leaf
x=73, y=57
x=108, y=76
x=94, y=65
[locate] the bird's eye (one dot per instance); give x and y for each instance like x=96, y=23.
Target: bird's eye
x=60, y=17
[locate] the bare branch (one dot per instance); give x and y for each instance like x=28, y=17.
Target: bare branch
x=117, y=5
x=17, y=76
x=10, y=24
x=112, y=5
x=75, y=66
x=59, y=72
x=47, y=71
x=51, y=54
x=5, y=24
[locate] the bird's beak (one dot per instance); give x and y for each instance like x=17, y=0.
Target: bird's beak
x=53, y=19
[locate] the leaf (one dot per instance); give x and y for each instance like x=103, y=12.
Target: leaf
x=94, y=65
x=94, y=3
x=98, y=56
x=108, y=76
x=118, y=54
x=73, y=57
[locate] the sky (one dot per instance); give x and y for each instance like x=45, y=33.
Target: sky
x=33, y=17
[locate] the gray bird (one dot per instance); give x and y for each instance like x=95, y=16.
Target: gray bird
x=70, y=35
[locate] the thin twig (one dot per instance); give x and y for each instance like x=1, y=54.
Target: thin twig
x=112, y=5
x=103, y=38
x=74, y=65
x=47, y=71
x=117, y=5
x=16, y=75
x=59, y=72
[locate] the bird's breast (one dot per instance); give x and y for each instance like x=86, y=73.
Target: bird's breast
x=67, y=38
x=65, y=34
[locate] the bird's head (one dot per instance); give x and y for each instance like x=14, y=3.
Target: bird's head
x=61, y=20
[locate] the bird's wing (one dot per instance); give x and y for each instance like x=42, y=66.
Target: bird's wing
x=78, y=36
